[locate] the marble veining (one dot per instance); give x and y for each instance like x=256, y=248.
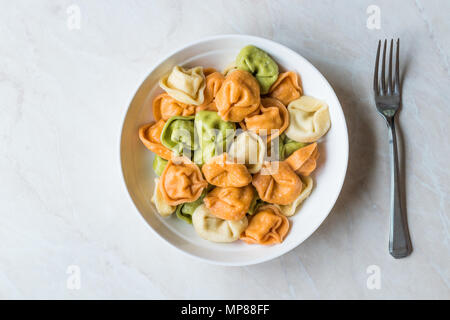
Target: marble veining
x=65, y=88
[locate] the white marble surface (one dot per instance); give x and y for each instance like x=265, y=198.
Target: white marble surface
x=64, y=94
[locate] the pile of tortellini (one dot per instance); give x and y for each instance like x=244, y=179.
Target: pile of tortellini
x=234, y=150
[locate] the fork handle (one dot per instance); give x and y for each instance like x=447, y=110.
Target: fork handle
x=399, y=240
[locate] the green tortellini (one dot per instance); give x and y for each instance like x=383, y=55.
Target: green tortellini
x=213, y=133
x=288, y=146
x=260, y=64
x=178, y=134
x=159, y=164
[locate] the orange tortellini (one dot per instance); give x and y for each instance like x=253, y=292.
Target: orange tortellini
x=229, y=203
x=291, y=209
x=181, y=181
x=277, y=183
x=287, y=88
x=238, y=97
x=150, y=135
x=267, y=226
x=221, y=171
x=165, y=107
x=304, y=160
x=214, y=81
x=272, y=119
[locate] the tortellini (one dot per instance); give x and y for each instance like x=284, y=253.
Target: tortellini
x=212, y=228
x=259, y=64
x=287, y=87
x=185, y=85
x=159, y=164
x=234, y=185
x=222, y=172
x=214, y=82
x=271, y=120
x=213, y=134
x=229, y=203
x=150, y=135
x=178, y=134
x=249, y=149
x=304, y=160
x=277, y=183
x=310, y=119
x=165, y=107
x=181, y=181
x=163, y=208
x=290, y=209
x=267, y=226
x=238, y=97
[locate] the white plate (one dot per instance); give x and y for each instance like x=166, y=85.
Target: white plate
x=136, y=160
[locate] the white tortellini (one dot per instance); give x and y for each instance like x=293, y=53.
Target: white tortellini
x=249, y=149
x=162, y=207
x=310, y=119
x=185, y=85
x=290, y=209
x=214, y=229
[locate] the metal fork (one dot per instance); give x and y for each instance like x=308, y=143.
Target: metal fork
x=388, y=100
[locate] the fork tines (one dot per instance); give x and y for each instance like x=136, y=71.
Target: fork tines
x=393, y=85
